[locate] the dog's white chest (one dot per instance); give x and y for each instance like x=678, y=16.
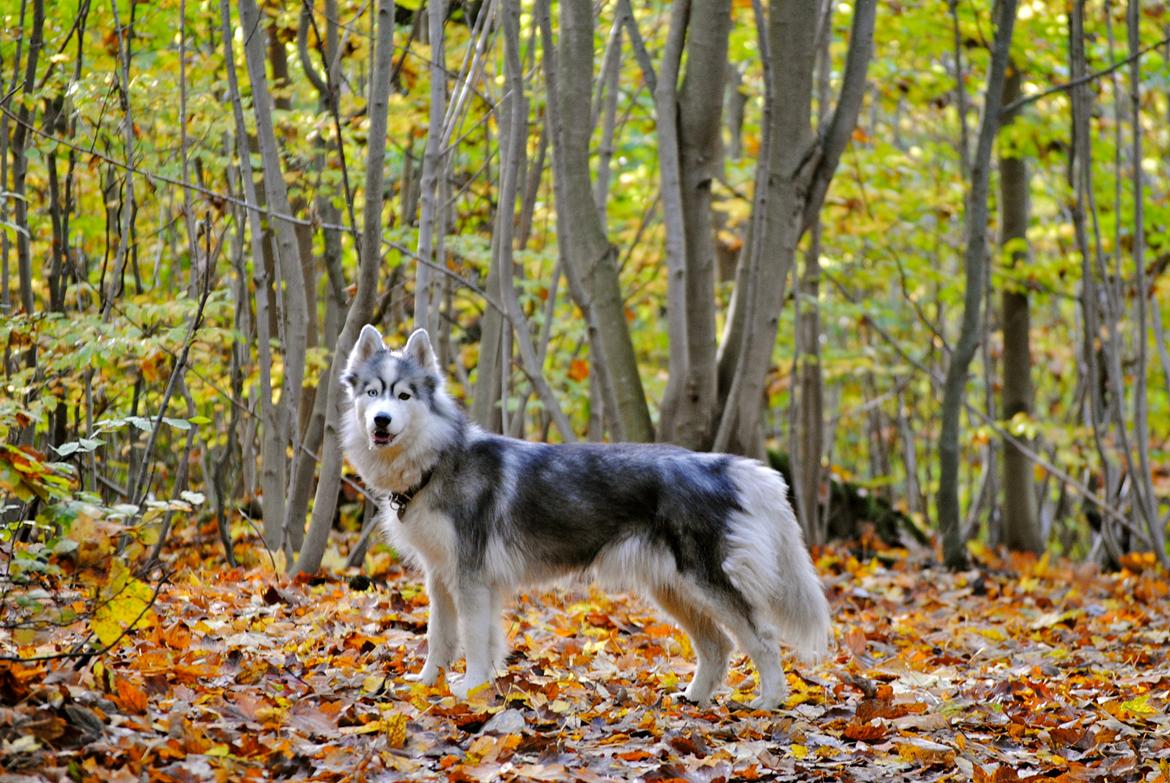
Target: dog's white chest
x=424, y=534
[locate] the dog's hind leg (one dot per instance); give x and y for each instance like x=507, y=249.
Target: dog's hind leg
x=711, y=645
x=759, y=639
x=474, y=603
x=442, y=632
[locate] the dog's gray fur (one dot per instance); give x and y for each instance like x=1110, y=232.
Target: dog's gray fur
x=710, y=537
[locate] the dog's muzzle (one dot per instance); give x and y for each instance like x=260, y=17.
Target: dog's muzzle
x=381, y=434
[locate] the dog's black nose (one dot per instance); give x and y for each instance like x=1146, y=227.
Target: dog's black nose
x=381, y=421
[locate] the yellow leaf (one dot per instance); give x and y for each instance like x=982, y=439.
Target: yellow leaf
x=1139, y=705
x=798, y=751
x=925, y=751
x=481, y=748
x=223, y=751
x=994, y=634
x=126, y=602
x=394, y=725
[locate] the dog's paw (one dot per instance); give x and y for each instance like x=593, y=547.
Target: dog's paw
x=427, y=676
x=769, y=703
x=463, y=688
x=695, y=695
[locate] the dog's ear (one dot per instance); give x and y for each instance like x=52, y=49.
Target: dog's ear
x=369, y=342
x=418, y=348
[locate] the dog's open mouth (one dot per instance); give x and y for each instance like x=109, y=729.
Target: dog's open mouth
x=381, y=438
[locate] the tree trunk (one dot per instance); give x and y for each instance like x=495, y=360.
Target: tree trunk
x=794, y=174
x=808, y=439
x=975, y=261
x=20, y=162
x=590, y=259
x=426, y=306
x=360, y=311
x=272, y=462
x=290, y=293
x=1020, y=525
x=689, y=407
x=305, y=459
x=1148, y=507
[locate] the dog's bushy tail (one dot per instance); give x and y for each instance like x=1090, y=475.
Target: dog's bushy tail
x=769, y=563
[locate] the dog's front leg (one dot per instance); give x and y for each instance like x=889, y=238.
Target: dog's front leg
x=442, y=632
x=474, y=603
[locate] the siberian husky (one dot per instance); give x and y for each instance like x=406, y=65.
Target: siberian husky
x=711, y=538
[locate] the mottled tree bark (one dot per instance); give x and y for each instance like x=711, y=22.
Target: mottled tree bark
x=290, y=293
x=1020, y=526
x=689, y=409
x=795, y=170
x=362, y=307
x=590, y=259
x=974, y=262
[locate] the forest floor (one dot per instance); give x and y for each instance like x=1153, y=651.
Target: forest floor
x=1019, y=669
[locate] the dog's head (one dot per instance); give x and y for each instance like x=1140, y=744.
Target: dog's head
x=392, y=391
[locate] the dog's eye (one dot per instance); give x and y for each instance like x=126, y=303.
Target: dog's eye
x=371, y=392
x=404, y=395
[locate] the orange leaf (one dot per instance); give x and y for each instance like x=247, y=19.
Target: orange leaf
x=130, y=697
x=874, y=731
x=177, y=637
x=659, y=630
x=578, y=369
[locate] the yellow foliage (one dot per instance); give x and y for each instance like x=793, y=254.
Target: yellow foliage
x=127, y=603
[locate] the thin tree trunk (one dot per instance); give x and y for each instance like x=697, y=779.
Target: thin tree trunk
x=1080, y=175
x=809, y=437
x=1144, y=483
x=127, y=204
x=1020, y=526
x=590, y=263
x=5, y=246
x=975, y=260
x=304, y=461
x=670, y=171
x=362, y=308
x=294, y=318
x=511, y=172
x=20, y=161
x=794, y=174
x=689, y=120
x=425, y=304
x=272, y=462
x=700, y=119
x=605, y=107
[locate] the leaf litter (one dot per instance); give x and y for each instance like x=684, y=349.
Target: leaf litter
x=1020, y=669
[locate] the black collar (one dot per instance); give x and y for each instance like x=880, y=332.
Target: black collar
x=400, y=500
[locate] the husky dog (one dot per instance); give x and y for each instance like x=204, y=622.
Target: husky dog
x=711, y=538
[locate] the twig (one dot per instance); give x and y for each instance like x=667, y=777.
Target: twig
x=1016, y=105
x=77, y=653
